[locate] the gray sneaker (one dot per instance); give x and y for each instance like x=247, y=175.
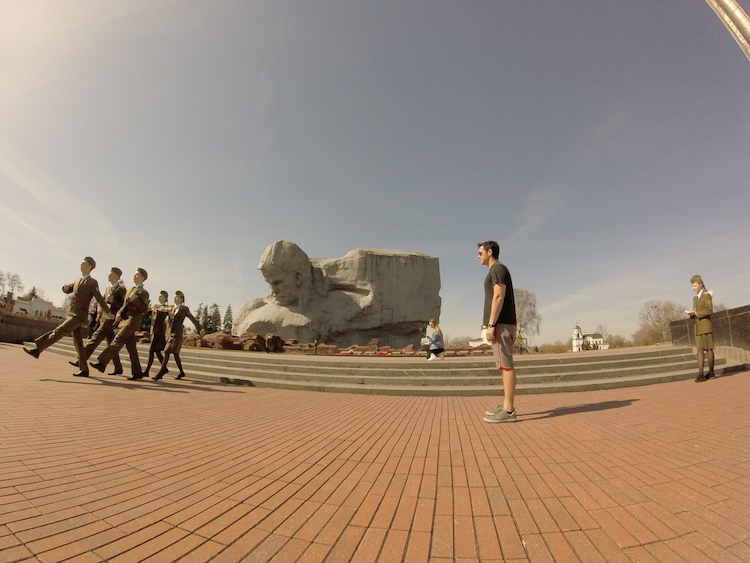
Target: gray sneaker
x=495, y=411
x=501, y=416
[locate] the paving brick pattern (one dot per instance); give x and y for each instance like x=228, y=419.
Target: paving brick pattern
x=104, y=469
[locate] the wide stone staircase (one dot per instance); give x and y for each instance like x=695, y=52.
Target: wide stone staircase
x=460, y=376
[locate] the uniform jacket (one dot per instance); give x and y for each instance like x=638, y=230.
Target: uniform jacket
x=176, y=320
x=83, y=290
x=703, y=307
x=135, y=304
x=114, y=295
x=159, y=314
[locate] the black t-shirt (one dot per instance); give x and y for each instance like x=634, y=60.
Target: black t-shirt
x=499, y=274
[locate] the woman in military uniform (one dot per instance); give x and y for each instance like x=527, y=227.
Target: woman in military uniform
x=177, y=314
x=703, y=307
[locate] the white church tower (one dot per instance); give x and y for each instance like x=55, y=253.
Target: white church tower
x=577, y=339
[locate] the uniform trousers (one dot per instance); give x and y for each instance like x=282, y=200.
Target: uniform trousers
x=125, y=337
x=106, y=331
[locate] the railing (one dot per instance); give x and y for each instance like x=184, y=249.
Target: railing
x=731, y=328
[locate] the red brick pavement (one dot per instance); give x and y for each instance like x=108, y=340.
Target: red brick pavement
x=110, y=470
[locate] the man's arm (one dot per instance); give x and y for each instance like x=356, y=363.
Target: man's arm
x=498, y=297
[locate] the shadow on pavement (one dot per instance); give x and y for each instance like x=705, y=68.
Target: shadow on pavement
x=589, y=407
x=150, y=385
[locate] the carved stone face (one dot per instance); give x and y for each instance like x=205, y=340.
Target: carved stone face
x=285, y=287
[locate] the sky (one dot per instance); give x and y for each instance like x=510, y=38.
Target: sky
x=604, y=145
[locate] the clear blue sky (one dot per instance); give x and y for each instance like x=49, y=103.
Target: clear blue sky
x=603, y=144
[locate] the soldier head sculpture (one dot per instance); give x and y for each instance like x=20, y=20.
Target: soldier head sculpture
x=288, y=272
x=369, y=293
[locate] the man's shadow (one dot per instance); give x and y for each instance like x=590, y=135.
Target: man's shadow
x=589, y=407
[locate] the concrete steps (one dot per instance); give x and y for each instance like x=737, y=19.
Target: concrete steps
x=463, y=376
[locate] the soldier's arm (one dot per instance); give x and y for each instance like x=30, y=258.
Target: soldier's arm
x=194, y=321
x=99, y=299
x=142, y=302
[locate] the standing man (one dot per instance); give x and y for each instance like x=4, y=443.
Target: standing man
x=83, y=289
x=129, y=319
x=703, y=307
x=114, y=295
x=159, y=314
x=500, y=326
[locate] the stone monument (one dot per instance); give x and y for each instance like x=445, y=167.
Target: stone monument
x=368, y=293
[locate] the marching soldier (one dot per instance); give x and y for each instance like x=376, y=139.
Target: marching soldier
x=83, y=290
x=159, y=315
x=128, y=319
x=114, y=295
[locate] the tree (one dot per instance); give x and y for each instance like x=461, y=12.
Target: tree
x=557, y=348
x=2, y=282
x=617, y=341
x=32, y=293
x=527, y=318
x=458, y=340
x=13, y=282
x=199, y=314
x=654, y=319
x=215, y=315
x=603, y=330
x=228, y=320
x=212, y=318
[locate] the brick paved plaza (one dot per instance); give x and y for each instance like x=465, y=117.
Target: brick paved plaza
x=104, y=469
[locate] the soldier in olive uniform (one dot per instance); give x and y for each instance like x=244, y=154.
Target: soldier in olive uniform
x=159, y=314
x=114, y=295
x=129, y=319
x=83, y=289
x=703, y=307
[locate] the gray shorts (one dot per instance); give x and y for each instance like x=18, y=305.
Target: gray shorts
x=502, y=346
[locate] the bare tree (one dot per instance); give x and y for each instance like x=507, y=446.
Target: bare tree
x=603, y=330
x=654, y=319
x=527, y=318
x=2, y=282
x=617, y=341
x=13, y=282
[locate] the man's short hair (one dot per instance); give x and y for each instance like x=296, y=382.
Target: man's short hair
x=116, y=270
x=91, y=262
x=179, y=294
x=144, y=273
x=164, y=293
x=491, y=245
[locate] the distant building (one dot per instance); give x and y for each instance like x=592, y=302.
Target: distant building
x=38, y=309
x=587, y=341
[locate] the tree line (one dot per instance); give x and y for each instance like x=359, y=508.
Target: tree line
x=211, y=320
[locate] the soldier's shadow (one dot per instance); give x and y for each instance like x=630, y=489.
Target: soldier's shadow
x=149, y=385
x=589, y=407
